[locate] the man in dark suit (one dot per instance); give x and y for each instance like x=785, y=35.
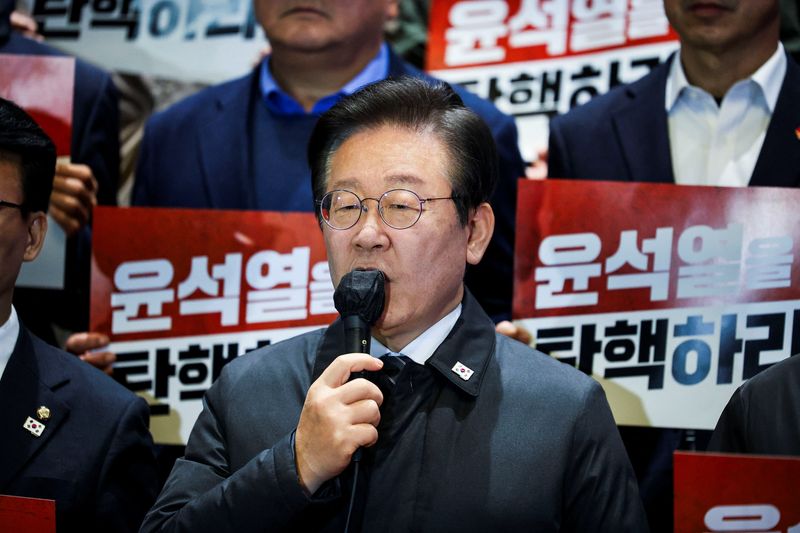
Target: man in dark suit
x=70, y=433
x=656, y=129
x=88, y=179
x=462, y=429
x=724, y=110
x=241, y=145
x=763, y=415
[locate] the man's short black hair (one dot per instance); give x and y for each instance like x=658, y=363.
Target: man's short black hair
x=419, y=105
x=21, y=136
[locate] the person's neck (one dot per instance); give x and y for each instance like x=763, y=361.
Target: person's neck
x=5, y=309
x=717, y=71
x=310, y=76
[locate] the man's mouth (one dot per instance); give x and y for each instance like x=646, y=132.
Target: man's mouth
x=708, y=9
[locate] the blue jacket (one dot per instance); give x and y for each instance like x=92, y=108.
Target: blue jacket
x=201, y=153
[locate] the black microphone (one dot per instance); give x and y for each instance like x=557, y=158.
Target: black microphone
x=359, y=298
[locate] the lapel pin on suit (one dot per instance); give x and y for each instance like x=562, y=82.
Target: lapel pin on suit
x=43, y=412
x=35, y=427
x=462, y=371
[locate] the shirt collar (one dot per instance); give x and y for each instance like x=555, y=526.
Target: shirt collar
x=280, y=103
x=9, y=332
x=769, y=77
x=420, y=349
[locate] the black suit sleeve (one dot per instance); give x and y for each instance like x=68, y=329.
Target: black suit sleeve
x=127, y=486
x=557, y=154
x=729, y=434
x=95, y=123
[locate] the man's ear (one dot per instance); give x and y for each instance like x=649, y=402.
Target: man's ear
x=37, y=229
x=481, y=227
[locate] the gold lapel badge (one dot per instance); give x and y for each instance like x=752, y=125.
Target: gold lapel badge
x=43, y=412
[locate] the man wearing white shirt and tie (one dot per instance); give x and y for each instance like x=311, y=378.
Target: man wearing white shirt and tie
x=474, y=432
x=724, y=110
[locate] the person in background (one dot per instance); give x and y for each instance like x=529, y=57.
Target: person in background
x=90, y=178
x=461, y=428
x=319, y=53
x=70, y=433
x=723, y=110
x=763, y=415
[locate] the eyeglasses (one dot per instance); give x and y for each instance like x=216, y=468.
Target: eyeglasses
x=3, y=203
x=398, y=208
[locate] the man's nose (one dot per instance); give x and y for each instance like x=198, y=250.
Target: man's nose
x=371, y=230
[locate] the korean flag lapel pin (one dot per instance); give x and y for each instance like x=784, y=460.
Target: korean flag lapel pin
x=463, y=371
x=36, y=427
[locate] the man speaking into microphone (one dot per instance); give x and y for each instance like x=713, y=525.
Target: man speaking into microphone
x=452, y=427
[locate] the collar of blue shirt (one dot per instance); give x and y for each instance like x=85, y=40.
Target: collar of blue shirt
x=421, y=349
x=280, y=103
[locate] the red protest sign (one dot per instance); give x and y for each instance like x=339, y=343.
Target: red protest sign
x=722, y=492
x=44, y=87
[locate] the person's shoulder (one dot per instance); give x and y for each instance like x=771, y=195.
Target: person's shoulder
x=596, y=110
x=85, y=72
x=527, y=367
x=196, y=107
x=481, y=106
x=294, y=355
x=86, y=383
x=783, y=374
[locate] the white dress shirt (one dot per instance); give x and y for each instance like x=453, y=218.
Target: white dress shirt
x=421, y=349
x=715, y=144
x=9, y=332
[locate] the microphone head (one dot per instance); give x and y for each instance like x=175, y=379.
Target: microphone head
x=360, y=292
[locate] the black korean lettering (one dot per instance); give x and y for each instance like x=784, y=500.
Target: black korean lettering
x=164, y=370
x=653, y=340
x=701, y=350
x=775, y=323
x=164, y=18
x=588, y=349
x=221, y=355
x=133, y=364
x=729, y=346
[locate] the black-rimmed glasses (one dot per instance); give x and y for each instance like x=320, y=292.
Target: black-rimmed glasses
x=3, y=203
x=398, y=208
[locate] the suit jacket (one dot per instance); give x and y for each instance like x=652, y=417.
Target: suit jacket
x=94, y=457
x=201, y=153
x=763, y=415
x=623, y=135
x=526, y=443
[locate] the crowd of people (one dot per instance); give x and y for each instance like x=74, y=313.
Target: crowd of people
x=334, y=114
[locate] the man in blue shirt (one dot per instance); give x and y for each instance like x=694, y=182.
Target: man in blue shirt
x=242, y=144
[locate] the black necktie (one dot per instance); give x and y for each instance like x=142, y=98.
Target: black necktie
x=386, y=379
